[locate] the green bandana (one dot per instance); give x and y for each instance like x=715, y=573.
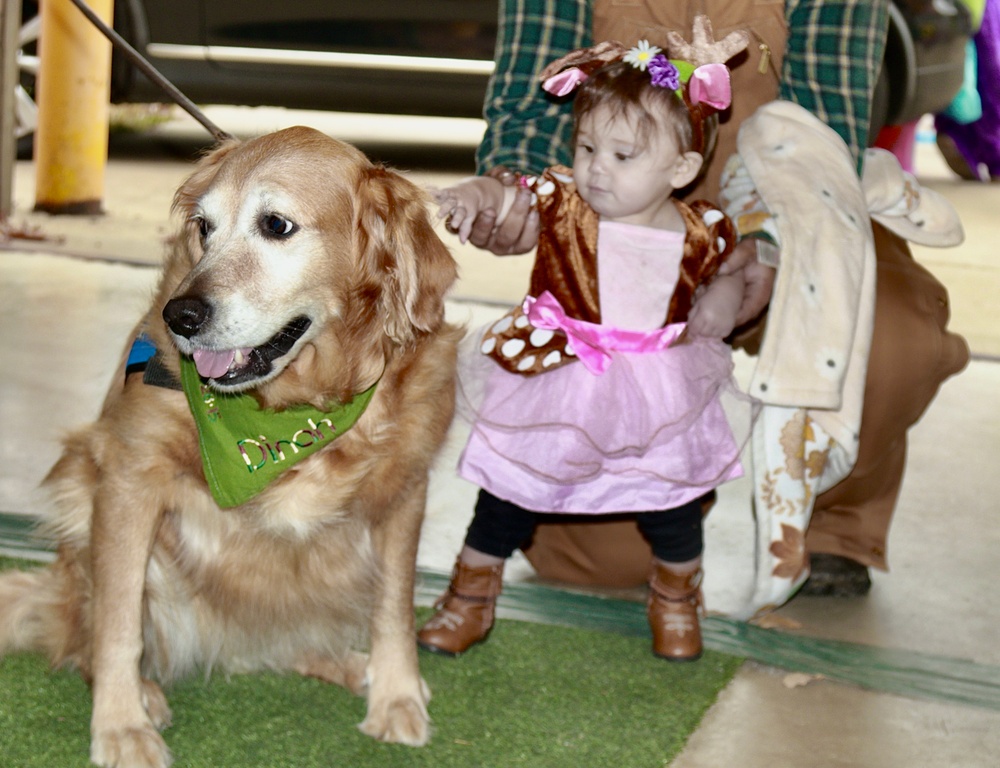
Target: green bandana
x=244, y=448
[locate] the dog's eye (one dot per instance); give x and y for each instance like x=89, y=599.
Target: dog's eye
x=204, y=228
x=273, y=225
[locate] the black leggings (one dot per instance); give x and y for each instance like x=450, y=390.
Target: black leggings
x=499, y=527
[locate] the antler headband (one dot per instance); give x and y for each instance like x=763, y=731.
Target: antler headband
x=697, y=71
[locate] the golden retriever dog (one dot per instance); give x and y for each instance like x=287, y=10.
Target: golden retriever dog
x=302, y=277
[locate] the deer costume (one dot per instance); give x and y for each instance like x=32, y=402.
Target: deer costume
x=588, y=398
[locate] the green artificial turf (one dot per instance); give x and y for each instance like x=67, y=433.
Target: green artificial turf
x=534, y=695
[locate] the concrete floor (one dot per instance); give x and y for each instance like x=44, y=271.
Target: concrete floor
x=68, y=302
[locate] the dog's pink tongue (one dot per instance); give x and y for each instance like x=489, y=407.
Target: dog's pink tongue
x=212, y=364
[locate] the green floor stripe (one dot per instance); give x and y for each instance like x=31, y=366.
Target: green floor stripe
x=17, y=538
x=900, y=672
x=905, y=673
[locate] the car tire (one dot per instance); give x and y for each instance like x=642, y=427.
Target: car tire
x=880, y=104
x=26, y=113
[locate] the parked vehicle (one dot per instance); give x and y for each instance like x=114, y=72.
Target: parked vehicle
x=427, y=57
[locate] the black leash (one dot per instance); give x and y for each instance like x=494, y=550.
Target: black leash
x=152, y=73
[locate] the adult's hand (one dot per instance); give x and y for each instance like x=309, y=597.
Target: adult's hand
x=518, y=232
x=758, y=279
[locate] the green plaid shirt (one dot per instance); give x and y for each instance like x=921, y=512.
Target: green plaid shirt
x=832, y=59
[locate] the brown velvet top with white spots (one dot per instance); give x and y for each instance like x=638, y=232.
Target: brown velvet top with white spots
x=566, y=266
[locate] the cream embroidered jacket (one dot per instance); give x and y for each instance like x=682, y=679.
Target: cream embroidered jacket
x=810, y=374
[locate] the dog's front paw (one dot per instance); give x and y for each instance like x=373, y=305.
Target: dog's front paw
x=140, y=747
x=401, y=721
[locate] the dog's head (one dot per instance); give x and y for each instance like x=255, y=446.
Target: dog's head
x=300, y=267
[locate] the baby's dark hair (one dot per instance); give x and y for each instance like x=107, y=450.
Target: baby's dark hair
x=628, y=90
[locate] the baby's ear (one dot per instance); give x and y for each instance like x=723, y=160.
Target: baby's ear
x=686, y=169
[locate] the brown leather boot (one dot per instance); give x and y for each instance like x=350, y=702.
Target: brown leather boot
x=465, y=612
x=673, y=607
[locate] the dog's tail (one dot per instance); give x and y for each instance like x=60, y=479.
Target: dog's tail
x=34, y=615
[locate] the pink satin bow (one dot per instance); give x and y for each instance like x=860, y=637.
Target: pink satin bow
x=709, y=84
x=593, y=343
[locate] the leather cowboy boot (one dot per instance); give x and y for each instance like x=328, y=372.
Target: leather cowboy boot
x=673, y=607
x=465, y=612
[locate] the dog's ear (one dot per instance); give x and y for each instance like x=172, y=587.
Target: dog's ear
x=397, y=243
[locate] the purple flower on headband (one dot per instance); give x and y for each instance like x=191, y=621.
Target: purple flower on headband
x=663, y=74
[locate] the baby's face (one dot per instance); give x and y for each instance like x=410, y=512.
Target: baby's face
x=621, y=177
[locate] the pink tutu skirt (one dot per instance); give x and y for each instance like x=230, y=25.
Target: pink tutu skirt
x=649, y=433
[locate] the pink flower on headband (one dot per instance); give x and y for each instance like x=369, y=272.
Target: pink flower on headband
x=710, y=85
x=565, y=82
x=663, y=74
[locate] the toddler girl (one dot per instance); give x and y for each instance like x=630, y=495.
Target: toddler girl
x=601, y=393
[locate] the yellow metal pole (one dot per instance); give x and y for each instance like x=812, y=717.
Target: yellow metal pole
x=74, y=82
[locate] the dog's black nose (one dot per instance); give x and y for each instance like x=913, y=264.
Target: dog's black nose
x=185, y=316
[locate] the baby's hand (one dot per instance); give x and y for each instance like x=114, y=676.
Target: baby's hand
x=454, y=212
x=707, y=321
x=715, y=309
x=460, y=204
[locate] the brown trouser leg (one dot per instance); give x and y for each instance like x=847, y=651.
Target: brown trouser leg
x=912, y=353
